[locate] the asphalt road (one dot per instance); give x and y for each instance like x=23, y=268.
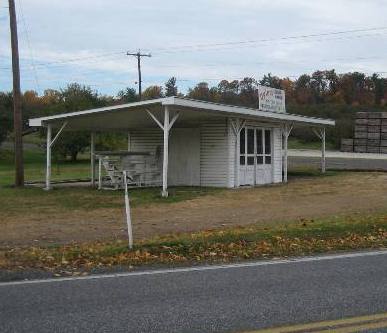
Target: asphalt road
x=232, y=299
x=338, y=160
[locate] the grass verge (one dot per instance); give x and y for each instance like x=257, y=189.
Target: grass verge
x=303, y=238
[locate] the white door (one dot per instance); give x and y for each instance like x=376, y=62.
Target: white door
x=255, y=156
x=264, y=168
x=247, y=160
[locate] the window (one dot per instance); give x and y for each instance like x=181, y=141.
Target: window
x=259, y=141
x=250, y=160
x=263, y=146
x=255, y=146
x=267, y=142
x=242, y=141
x=250, y=141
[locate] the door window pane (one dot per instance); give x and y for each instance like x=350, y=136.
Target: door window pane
x=242, y=160
x=268, y=142
x=259, y=159
x=250, y=160
x=259, y=141
x=250, y=141
x=267, y=159
x=242, y=141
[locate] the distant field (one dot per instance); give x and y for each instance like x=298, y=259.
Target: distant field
x=298, y=144
x=35, y=167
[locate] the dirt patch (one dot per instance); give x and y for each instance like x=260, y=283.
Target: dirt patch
x=306, y=198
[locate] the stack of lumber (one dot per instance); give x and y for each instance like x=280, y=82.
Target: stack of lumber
x=347, y=145
x=370, y=134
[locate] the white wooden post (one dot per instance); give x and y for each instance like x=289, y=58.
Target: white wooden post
x=321, y=135
x=92, y=158
x=323, y=161
x=237, y=157
x=237, y=127
x=48, y=158
x=285, y=161
x=166, y=127
x=99, y=172
x=164, y=192
x=286, y=132
x=127, y=212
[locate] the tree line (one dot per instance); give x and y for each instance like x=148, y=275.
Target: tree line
x=323, y=94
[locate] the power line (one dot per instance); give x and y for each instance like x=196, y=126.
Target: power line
x=85, y=60
x=204, y=47
x=295, y=37
x=27, y=34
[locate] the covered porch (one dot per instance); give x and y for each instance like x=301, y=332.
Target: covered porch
x=183, y=141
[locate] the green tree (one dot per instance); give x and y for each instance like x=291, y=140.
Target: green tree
x=127, y=95
x=271, y=81
x=75, y=97
x=170, y=87
x=6, y=115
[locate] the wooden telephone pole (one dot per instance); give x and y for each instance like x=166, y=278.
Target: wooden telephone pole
x=139, y=55
x=17, y=113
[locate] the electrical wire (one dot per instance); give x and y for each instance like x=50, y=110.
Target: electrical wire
x=27, y=35
x=223, y=46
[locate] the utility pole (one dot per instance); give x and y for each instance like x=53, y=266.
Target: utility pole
x=139, y=55
x=17, y=113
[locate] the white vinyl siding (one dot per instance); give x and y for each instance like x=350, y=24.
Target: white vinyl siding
x=146, y=140
x=277, y=155
x=214, y=154
x=217, y=151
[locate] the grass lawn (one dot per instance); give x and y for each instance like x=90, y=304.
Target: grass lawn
x=313, y=213
x=298, y=144
x=35, y=167
x=31, y=199
x=233, y=244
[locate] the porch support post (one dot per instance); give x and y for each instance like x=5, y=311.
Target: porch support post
x=237, y=157
x=48, y=157
x=166, y=128
x=168, y=123
x=92, y=158
x=286, y=132
x=320, y=132
x=237, y=126
x=99, y=172
x=323, y=160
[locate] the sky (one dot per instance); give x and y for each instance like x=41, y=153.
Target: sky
x=86, y=41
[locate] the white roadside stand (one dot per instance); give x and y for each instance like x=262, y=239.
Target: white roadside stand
x=127, y=211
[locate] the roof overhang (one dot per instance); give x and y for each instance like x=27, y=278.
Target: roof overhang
x=134, y=115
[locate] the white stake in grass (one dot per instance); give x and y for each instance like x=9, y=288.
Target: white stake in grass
x=127, y=211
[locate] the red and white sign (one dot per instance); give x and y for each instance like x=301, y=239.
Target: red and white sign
x=271, y=99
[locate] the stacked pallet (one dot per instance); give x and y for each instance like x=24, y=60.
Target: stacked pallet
x=347, y=145
x=370, y=135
